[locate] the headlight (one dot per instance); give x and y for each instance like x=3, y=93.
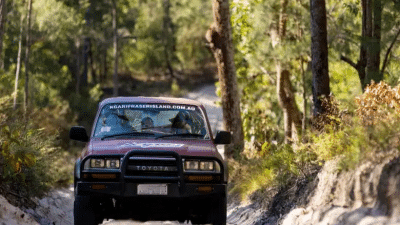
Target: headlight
x=112, y=163
x=201, y=165
x=206, y=166
x=102, y=163
x=97, y=163
x=191, y=165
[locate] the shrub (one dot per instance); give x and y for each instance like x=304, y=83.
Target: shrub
x=374, y=129
x=29, y=160
x=379, y=102
x=274, y=168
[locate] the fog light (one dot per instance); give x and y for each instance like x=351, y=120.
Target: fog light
x=205, y=189
x=199, y=178
x=98, y=186
x=104, y=176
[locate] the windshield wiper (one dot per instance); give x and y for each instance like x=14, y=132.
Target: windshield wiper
x=183, y=135
x=128, y=134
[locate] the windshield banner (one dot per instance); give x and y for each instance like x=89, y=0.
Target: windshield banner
x=152, y=106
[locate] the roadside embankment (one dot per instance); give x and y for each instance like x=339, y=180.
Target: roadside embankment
x=11, y=215
x=370, y=194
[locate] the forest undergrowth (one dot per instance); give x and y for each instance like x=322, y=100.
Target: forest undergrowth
x=33, y=155
x=352, y=137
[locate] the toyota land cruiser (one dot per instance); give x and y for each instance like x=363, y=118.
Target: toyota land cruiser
x=150, y=159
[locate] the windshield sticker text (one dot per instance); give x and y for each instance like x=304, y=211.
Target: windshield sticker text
x=152, y=106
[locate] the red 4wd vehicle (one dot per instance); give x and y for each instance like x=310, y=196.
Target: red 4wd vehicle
x=150, y=159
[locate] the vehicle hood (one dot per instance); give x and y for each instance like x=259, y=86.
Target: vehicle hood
x=184, y=147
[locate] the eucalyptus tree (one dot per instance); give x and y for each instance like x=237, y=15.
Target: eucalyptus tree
x=168, y=36
x=115, y=44
x=319, y=55
x=220, y=41
x=284, y=88
x=376, y=40
x=17, y=70
x=272, y=41
x=3, y=15
x=27, y=51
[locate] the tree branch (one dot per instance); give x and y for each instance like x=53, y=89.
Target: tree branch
x=388, y=51
x=265, y=71
x=344, y=58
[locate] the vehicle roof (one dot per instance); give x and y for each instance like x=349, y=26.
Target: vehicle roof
x=141, y=99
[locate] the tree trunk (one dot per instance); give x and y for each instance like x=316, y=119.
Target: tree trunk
x=3, y=13
x=115, y=42
x=105, y=68
x=78, y=67
x=319, y=55
x=85, y=59
x=18, y=64
x=366, y=33
x=374, y=47
x=284, y=89
x=369, y=60
x=220, y=41
x=93, y=73
x=291, y=113
x=28, y=46
x=168, y=37
x=303, y=78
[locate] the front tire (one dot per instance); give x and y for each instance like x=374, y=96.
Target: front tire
x=84, y=211
x=217, y=215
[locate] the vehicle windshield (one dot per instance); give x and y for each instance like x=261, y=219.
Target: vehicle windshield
x=162, y=120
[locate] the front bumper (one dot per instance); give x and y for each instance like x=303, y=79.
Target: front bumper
x=175, y=190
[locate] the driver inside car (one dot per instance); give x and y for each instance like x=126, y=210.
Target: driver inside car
x=180, y=124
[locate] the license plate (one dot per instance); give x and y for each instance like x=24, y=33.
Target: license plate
x=152, y=189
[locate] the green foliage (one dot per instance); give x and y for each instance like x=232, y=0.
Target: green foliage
x=29, y=160
x=351, y=137
x=273, y=167
x=146, y=55
x=186, y=45
x=175, y=89
x=333, y=143
x=254, y=25
x=60, y=24
x=96, y=93
x=191, y=20
x=344, y=83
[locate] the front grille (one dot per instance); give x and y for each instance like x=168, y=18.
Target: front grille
x=163, y=166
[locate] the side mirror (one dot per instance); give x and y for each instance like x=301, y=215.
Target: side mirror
x=78, y=134
x=223, y=137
